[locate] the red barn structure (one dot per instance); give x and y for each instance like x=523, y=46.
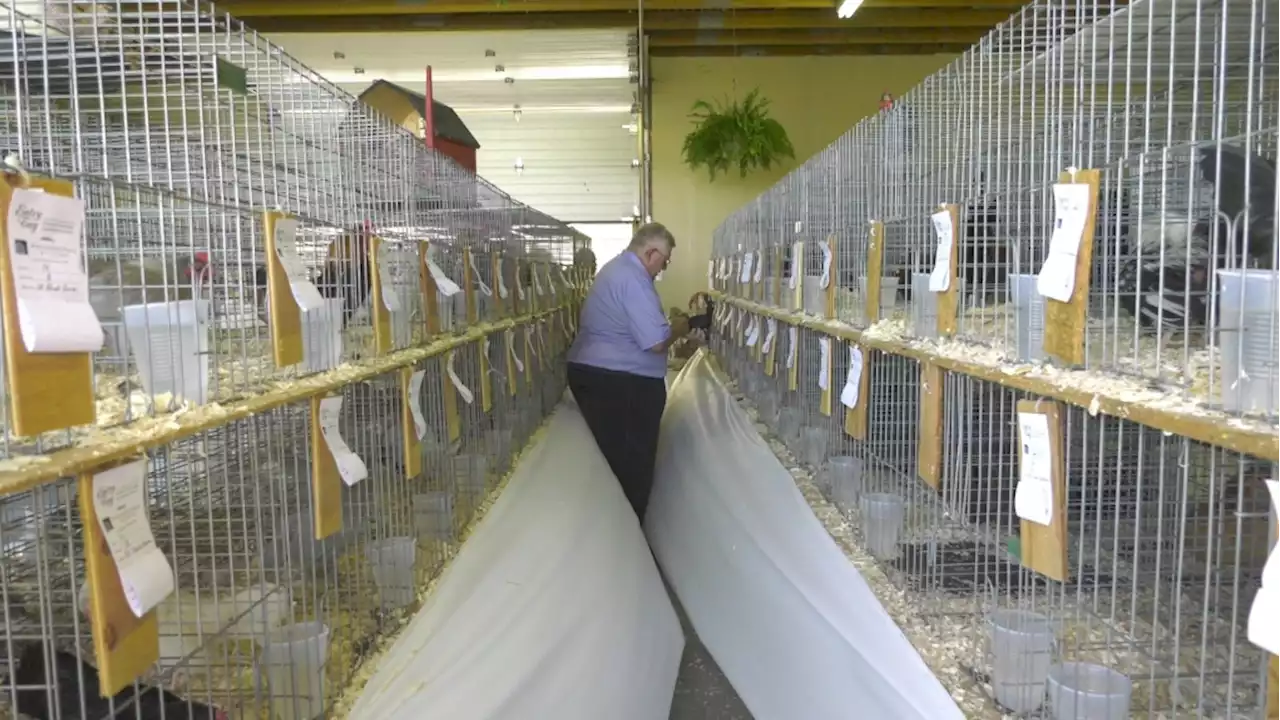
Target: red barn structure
x=407, y=109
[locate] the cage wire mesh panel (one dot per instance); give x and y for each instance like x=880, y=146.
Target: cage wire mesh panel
x=1164, y=534
x=180, y=130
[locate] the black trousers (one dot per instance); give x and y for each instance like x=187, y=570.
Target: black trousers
x=624, y=412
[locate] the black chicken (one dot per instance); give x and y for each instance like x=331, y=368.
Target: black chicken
x=983, y=261
x=1174, y=290
x=347, y=274
x=35, y=690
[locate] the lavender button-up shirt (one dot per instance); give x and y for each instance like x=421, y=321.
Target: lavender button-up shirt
x=621, y=319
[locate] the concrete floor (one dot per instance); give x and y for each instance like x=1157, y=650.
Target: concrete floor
x=702, y=692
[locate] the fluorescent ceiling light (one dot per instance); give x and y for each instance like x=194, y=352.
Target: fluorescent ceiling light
x=526, y=109
x=417, y=76
x=848, y=8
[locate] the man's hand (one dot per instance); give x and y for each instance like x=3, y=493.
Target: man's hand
x=679, y=326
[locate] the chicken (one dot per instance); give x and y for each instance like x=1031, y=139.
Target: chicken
x=46, y=697
x=347, y=272
x=117, y=282
x=585, y=258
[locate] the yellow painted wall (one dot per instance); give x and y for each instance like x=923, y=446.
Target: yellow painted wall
x=815, y=98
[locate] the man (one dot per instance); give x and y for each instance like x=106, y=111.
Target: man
x=618, y=363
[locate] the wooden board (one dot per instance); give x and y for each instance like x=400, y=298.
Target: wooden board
x=383, y=342
x=47, y=391
x=1044, y=547
x=326, y=482
x=527, y=351
x=486, y=383
x=1069, y=319
x=412, y=448
x=452, y=420
x=793, y=372
x=829, y=293
x=875, y=272
x=770, y=358
x=780, y=254
x=508, y=344
x=929, y=434
x=284, y=314
x=949, y=300
x=469, y=288
x=797, y=265
x=824, y=403
x=430, y=294
x=124, y=645
x=495, y=272
x=855, y=418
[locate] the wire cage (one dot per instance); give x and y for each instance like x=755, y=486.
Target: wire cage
x=196, y=147
x=1168, y=112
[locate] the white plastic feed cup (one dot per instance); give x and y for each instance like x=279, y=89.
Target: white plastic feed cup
x=322, y=336
x=392, y=560
x=882, y=517
x=1084, y=691
x=1248, y=304
x=813, y=445
x=294, y=659
x=433, y=515
x=170, y=346
x=844, y=475
x=789, y=421
x=1021, y=648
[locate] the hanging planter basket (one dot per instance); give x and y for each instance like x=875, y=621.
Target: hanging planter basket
x=735, y=135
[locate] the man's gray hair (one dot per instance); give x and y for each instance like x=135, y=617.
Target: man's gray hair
x=649, y=233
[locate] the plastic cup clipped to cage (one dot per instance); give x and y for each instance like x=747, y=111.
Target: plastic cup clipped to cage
x=1028, y=308
x=471, y=479
x=392, y=561
x=1248, y=305
x=1084, y=691
x=1022, y=650
x=813, y=446
x=844, y=481
x=789, y=422
x=500, y=445
x=888, y=295
x=882, y=517
x=170, y=346
x=293, y=659
x=767, y=407
x=924, y=307
x=433, y=515
x=322, y=337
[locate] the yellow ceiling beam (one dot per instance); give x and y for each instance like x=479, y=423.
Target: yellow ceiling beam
x=246, y=9
x=858, y=36
x=654, y=21
x=806, y=50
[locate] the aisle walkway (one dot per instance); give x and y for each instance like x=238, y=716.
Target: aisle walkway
x=702, y=691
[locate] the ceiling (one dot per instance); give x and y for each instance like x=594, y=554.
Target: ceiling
x=676, y=28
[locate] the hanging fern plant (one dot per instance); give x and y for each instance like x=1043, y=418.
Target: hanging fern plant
x=735, y=134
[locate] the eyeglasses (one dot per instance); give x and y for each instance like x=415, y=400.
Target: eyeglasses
x=666, y=258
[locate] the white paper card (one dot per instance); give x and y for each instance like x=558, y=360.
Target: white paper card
x=463, y=391
x=797, y=259
x=388, y=286
x=1033, y=498
x=799, y=226
x=1264, y=614
x=824, y=367
x=722, y=268
x=511, y=348
x=444, y=285
x=415, y=403
x=1057, y=277
x=711, y=271
x=519, y=284
x=350, y=466
x=537, y=282
x=120, y=501
x=940, y=278
x=304, y=291
x=564, y=279
x=52, y=288
x=550, y=283
x=533, y=348
x=793, y=337
x=826, y=264
x=502, y=281
x=746, y=267
x=759, y=267
x=753, y=335
x=475, y=272
x=770, y=335
x=852, y=381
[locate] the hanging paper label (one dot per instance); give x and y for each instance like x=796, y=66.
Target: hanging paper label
x=853, y=381
x=711, y=271
x=502, y=281
x=799, y=226
x=753, y=335
x=120, y=501
x=824, y=348
x=793, y=335
x=511, y=348
x=1033, y=497
x=564, y=279
x=769, y=335
x=533, y=348
x=463, y=391
x=387, y=283
x=50, y=284
x=940, y=278
x=826, y=263
x=519, y=284
x=759, y=267
x=475, y=272
x=444, y=285
x=304, y=291
x=537, y=282
x=722, y=268
x=350, y=466
x=746, y=267
x=1057, y=277
x=1264, y=616
x=796, y=257
x=415, y=403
